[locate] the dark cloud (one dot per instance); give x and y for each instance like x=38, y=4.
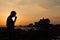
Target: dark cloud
x=56, y=2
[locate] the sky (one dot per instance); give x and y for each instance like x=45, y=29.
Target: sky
x=30, y=11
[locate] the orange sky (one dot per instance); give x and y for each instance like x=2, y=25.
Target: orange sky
x=30, y=11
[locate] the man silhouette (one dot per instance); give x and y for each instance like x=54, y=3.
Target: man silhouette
x=10, y=24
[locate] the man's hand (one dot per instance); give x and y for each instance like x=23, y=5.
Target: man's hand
x=15, y=17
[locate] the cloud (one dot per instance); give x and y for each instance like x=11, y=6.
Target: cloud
x=34, y=9
x=57, y=19
x=46, y=3
x=9, y=3
x=55, y=10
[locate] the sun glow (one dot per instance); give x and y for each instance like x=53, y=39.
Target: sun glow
x=30, y=11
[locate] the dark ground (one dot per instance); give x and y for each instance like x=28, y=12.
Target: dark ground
x=30, y=35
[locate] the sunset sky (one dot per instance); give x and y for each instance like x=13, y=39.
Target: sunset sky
x=30, y=11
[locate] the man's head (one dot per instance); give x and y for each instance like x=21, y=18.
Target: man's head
x=13, y=13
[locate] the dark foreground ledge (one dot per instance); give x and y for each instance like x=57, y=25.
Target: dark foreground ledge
x=29, y=35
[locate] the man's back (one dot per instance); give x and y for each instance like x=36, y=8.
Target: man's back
x=10, y=23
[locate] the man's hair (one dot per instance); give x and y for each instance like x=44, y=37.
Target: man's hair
x=13, y=13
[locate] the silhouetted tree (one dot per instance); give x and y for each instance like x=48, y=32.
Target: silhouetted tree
x=44, y=24
x=31, y=25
